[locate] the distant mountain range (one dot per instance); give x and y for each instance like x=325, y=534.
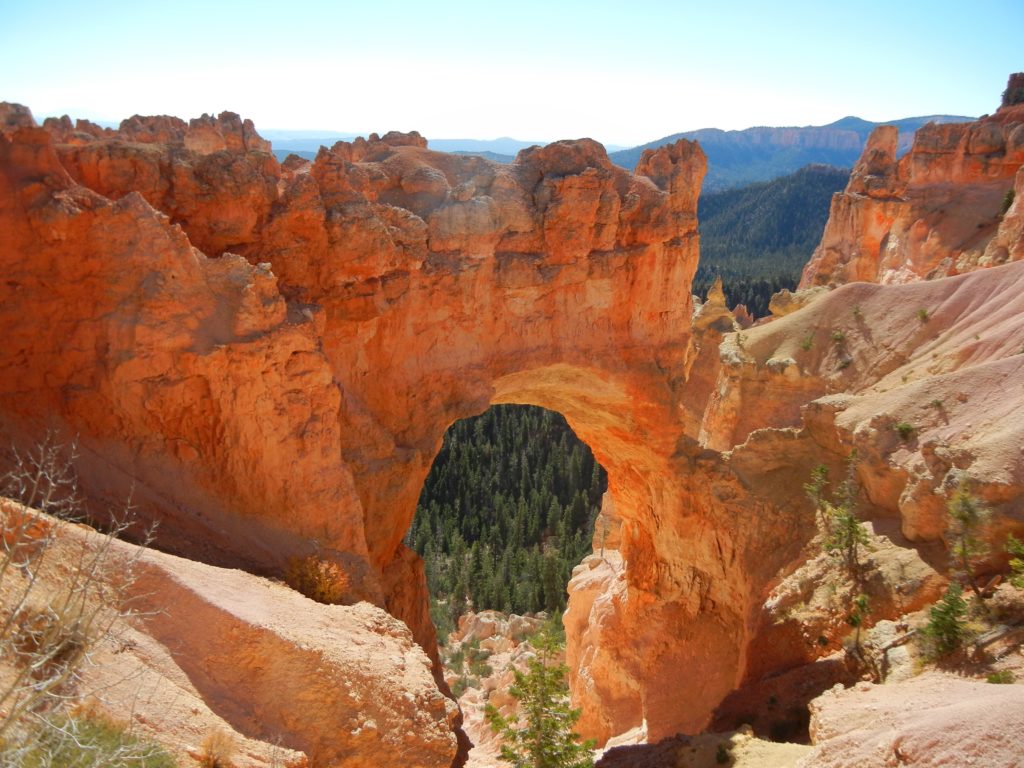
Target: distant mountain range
x=738, y=158
x=307, y=143
x=735, y=158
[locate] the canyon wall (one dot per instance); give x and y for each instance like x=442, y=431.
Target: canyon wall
x=937, y=211
x=267, y=356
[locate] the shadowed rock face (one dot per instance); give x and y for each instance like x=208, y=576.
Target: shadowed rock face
x=271, y=356
x=938, y=211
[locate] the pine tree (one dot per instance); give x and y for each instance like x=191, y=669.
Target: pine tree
x=947, y=622
x=844, y=531
x=546, y=739
x=967, y=515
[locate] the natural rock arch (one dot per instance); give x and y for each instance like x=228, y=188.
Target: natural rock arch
x=295, y=398
x=561, y=282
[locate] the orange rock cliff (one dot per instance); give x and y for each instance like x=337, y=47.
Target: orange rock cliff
x=936, y=211
x=270, y=355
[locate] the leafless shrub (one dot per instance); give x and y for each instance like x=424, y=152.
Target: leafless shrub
x=217, y=750
x=317, y=578
x=61, y=598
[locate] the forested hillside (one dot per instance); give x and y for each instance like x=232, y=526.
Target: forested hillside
x=737, y=158
x=758, y=238
x=506, y=513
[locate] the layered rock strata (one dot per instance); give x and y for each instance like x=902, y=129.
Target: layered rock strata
x=936, y=211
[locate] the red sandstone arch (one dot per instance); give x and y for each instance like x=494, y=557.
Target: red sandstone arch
x=296, y=397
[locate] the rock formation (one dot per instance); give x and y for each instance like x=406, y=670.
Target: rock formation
x=201, y=650
x=936, y=720
x=293, y=399
x=499, y=645
x=936, y=211
x=270, y=356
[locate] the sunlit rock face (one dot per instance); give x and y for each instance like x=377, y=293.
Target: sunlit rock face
x=937, y=211
x=292, y=397
x=268, y=357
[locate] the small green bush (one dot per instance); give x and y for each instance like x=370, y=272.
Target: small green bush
x=922, y=315
x=968, y=516
x=838, y=337
x=481, y=669
x=905, y=430
x=1007, y=202
x=947, y=623
x=1016, y=549
x=456, y=660
x=545, y=737
x=462, y=684
x=807, y=343
x=1002, y=677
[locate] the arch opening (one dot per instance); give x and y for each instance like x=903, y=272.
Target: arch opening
x=663, y=609
x=506, y=512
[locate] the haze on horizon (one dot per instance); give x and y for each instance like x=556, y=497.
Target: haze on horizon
x=623, y=75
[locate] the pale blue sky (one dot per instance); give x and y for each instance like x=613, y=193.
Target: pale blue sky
x=622, y=73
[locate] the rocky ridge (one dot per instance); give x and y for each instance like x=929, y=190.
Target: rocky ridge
x=936, y=211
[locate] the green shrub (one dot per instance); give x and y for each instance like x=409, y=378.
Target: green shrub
x=1016, y=550
x=967, y=516
x=546, y=738
x=807, y=343
x=443, y=623
x=922, y=315
x=905, y=429
x=481, y=669
x=456, y=660
x=838, y=337
x=462, y=684
x=848, y=536
x=1007, y=202
x=947, y=623
x=1002, y=677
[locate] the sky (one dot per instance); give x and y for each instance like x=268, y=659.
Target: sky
x=621, y=73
